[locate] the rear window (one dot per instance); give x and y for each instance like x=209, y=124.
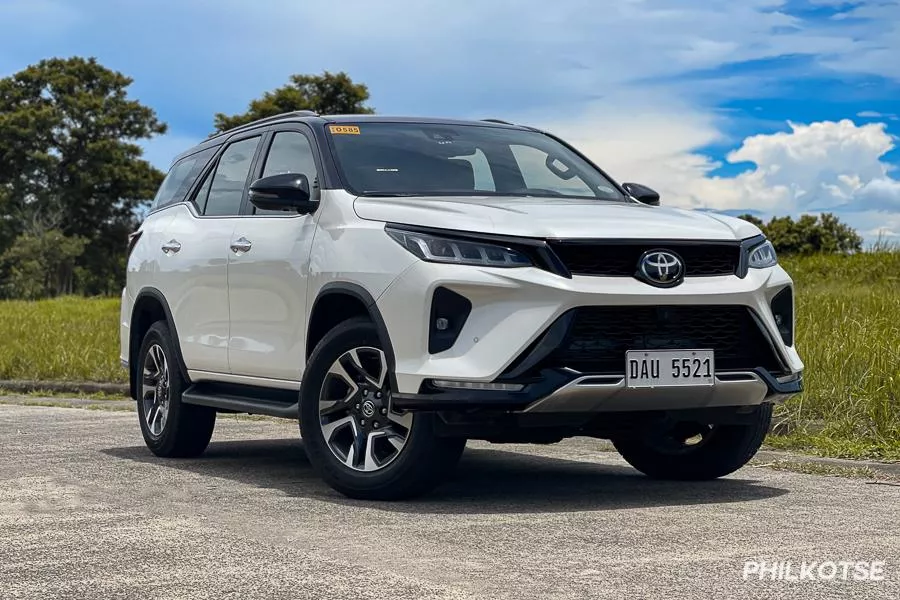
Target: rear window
x=181, y=177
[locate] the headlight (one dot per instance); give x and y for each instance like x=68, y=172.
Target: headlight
x=763, y=256
x=438, y=249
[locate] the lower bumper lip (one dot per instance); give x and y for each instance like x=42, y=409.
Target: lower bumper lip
x=566, y=391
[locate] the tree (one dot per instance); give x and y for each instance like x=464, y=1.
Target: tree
x=67, y=147
x=328, y=93
x=809, y=234
x=42, y=265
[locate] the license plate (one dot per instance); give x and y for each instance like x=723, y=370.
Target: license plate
x=660, y=368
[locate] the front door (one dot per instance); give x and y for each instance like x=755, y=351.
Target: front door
x=268, y=267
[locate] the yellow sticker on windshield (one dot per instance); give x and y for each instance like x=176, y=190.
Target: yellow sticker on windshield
x=345, y=129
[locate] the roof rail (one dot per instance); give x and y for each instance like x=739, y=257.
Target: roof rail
x=497, y=121
x=278, y=117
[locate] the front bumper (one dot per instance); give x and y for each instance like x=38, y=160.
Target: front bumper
x=570, y=392
x=513, y=308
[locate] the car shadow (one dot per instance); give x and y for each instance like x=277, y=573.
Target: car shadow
x=487, y=481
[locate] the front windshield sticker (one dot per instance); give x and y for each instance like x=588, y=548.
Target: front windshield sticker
x=344, y=129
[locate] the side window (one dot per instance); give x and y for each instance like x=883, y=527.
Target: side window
x=290, y=152
x=180, y=178
x=203, y=192
x=537, y=175
x=227, y=184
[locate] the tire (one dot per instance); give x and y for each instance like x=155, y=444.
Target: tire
x=722, y=450
x=343, y=428
x=170, y=429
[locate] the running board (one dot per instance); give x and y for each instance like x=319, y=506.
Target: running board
x=244, y=399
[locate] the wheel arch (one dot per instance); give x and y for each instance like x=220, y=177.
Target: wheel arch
x=149, y=306
x=353, y=300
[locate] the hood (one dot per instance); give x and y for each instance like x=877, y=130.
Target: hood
x=553, y=217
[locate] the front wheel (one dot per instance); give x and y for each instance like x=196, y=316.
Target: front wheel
x=696, y=451
x=357, y=442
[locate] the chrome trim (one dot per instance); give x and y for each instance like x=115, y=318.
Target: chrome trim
x=584, y=395
x=791, y=377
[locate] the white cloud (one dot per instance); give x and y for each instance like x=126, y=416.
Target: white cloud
x=433, y=56
x=874, y=30
x=824, y=166
x=811, y=167
x=874, y=114
x=646, y=138
x=579, y=68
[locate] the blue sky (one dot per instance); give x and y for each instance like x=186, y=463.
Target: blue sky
x=779, y=107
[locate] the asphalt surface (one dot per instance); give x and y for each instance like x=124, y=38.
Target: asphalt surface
x=87, y=512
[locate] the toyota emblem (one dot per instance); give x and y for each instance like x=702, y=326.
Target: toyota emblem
x=661, y=268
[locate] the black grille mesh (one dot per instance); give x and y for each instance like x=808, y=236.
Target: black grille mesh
x=621, y=260
x=600, y=336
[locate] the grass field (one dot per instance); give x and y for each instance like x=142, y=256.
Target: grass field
x=848, y=334
x=66, y=339
x=848, y=313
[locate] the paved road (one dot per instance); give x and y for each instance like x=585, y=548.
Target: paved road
x=87, y=512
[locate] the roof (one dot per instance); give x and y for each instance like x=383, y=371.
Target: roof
x=311, y=117
x=426, y=120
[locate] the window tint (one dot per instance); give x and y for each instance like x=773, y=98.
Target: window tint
x=180, y=178
x=290, y=152
x=533, y=163
x=437, y=159
x=228, y=182
x=203, y=192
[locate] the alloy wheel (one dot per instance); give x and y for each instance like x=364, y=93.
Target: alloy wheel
x=357, y=420
x=155, y=390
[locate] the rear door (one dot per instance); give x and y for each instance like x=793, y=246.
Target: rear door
x=268, y=267
x=197, y=247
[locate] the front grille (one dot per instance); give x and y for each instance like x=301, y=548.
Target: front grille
x=600, y=335
x=620, y=259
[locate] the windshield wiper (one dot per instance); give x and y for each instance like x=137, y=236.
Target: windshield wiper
x=373, y=194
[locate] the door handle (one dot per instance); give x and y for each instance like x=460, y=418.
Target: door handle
x=171, y=247
x=241, y=245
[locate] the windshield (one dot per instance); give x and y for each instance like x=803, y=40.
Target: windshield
x=420, y=159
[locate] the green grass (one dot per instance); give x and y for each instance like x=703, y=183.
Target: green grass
x=65, y=339
x=99, y=396
x=848, y=334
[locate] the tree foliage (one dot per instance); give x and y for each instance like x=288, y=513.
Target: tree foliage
x=809, y=234
x=68, y=151
x=41, y=265
x=328, y=93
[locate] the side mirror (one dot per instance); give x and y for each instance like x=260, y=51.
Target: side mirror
x=285, y=191
x=642, y=193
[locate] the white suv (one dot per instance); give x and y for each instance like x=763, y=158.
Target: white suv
x=401, y=285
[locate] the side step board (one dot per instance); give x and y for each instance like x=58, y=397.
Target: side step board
x=244, y=399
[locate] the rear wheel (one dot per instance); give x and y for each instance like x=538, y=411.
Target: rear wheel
x=170, y=428
x=696, y=451
x=355, y=439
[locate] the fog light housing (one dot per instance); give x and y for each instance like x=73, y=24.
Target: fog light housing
x=449, y=312
x=783, y=311
x=451, y=384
